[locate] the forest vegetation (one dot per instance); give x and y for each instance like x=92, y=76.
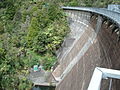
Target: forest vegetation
x=31, y=31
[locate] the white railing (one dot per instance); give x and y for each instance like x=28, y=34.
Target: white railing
x=102, y=73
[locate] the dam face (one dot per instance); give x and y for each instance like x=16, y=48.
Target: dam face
x=96, y=45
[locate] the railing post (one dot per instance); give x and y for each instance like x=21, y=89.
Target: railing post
x=95, y=82
x=99, y=74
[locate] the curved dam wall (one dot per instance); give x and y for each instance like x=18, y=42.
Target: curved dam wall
x=97, y=46
x=79, y=27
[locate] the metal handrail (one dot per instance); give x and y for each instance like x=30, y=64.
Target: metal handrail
x=102, y=73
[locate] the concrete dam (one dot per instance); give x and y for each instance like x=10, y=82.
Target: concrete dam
x=94, y=41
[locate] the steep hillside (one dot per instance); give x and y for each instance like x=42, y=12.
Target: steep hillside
x=30, y=33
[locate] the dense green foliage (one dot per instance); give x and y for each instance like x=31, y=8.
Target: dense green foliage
x=89, y=3
x=30, y=33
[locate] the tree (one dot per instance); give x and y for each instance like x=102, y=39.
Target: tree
x=25, y=42
x=33, y=30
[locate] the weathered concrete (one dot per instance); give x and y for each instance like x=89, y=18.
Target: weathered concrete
x=80, y=26
x=42, y=78
x=103, y=50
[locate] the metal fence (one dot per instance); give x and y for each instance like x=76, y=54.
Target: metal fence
x=102, y=73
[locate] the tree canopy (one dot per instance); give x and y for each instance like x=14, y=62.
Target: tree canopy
x=30, y=33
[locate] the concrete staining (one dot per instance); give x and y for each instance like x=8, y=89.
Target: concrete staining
x=78, y=30
x=96, y=46
x=83, y=49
